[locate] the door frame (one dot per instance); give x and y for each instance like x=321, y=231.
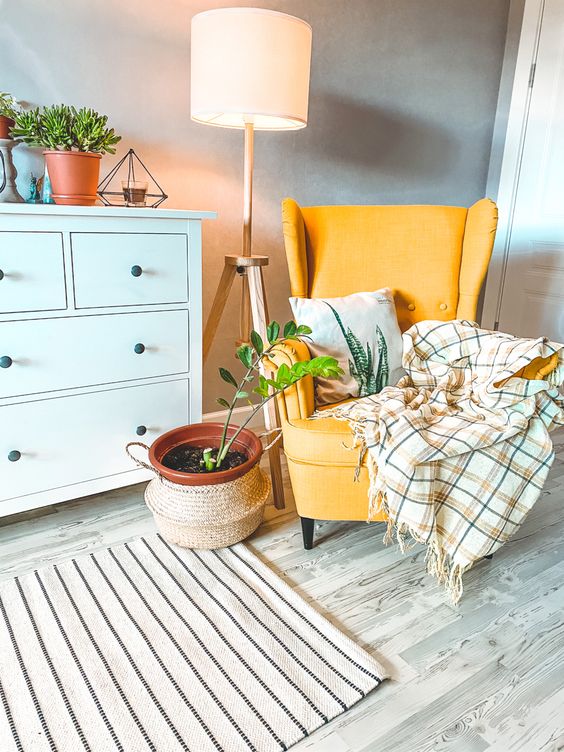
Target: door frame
x=517, y=120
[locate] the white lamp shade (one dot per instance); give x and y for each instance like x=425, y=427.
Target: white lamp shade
x=250, y=65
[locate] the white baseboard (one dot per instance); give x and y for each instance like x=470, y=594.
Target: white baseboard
x=240, y=414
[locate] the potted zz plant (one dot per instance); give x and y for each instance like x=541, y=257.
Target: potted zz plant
x=210, y=491
x=9, y=110
x=74, y=141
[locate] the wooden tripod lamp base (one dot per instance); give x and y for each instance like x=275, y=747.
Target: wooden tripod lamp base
x=253, y=307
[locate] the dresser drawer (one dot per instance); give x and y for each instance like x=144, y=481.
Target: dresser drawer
x=121, y=269
x=44, y=355
x=32, y=273
x=74, y=439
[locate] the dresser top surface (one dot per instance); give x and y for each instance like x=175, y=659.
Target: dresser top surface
x=103, y=211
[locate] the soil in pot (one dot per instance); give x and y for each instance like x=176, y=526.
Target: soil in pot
x=186, y=458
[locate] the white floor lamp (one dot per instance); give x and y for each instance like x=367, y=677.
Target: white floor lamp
x=250, y=70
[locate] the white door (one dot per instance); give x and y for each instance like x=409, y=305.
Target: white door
x=531, y=302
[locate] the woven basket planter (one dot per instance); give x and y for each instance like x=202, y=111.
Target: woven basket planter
x=205, y=510
x=208, y=516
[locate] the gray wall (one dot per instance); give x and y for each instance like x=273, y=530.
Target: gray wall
x=402, y=105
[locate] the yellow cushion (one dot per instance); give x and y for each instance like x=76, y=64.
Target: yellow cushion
x=325, y=441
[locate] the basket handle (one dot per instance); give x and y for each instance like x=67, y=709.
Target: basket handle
x=277, y=431
x=138, y=461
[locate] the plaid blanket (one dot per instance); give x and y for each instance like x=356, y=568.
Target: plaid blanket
x=458, y=452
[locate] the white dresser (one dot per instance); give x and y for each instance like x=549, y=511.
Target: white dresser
x=100, y=344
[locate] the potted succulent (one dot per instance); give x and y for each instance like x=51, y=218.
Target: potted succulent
x=210, y=491
x=9, y=110
x=74, y=141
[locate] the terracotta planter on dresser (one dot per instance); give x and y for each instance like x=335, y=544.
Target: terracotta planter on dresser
x=206, y=510
x=74, y=176
x=5, y=124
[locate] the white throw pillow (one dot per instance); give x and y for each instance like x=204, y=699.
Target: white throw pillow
x=361, y=331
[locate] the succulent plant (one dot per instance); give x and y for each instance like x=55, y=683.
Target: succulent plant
x=9, y=107
x=63, y=128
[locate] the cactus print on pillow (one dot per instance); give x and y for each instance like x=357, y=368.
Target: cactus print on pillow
x=362, y=332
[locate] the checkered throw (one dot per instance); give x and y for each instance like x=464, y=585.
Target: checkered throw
x=458, y=452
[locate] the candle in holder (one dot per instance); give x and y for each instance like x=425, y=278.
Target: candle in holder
x=134, y=192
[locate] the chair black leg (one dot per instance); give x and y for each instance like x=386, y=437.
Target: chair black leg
x=307, y=532
x=489, y=556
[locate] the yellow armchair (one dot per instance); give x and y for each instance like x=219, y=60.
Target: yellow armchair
x=435, y=260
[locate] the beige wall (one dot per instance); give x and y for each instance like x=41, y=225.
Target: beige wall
x=402, y=104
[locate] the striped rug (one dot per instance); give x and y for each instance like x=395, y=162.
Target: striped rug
x=145, y=646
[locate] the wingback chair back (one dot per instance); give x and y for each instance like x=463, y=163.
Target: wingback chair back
x=434, y=258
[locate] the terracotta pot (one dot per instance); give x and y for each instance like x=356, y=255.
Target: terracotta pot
x=205, y=435
x=74, y=176
x=5, y=124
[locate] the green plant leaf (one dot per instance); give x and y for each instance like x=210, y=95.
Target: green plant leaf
x=257, y=342
x=222, y=402
x=324, y=366
x=262, y=388
x=290, y=329
x=245, y=355
x=303, y=330
x=227, y=376
x=283, y=375
x=241, y=395
x=272, y=331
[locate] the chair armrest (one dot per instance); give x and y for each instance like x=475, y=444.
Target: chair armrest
x=297, y=401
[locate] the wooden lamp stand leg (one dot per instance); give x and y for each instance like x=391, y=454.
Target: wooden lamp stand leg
x=218, y=305
x=250, y=269
x=253, y=304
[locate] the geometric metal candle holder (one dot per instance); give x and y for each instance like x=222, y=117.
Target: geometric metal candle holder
x=132, y=173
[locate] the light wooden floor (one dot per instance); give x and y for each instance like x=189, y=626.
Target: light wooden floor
x=488, y=675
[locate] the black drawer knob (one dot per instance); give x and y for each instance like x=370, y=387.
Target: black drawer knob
x=139, y=348
x=141, y=430
x=14, y=455
x=1, y=274
x=5, y=361
x=136, y=271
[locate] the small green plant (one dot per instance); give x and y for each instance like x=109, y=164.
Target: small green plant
x=63, y=128
x=9, y=107
x=208, y=460
x=252, y=356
